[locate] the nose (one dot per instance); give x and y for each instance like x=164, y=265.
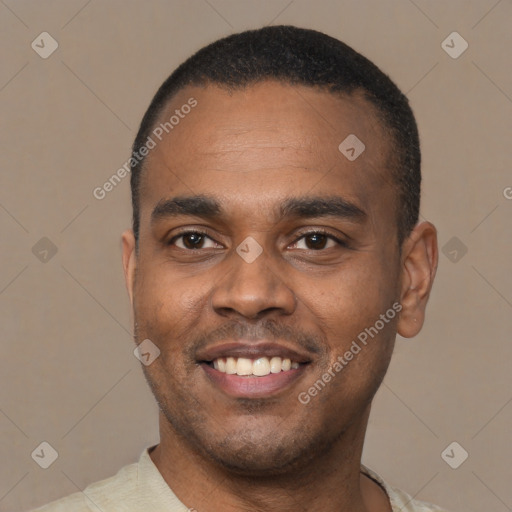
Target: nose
x=252, y=290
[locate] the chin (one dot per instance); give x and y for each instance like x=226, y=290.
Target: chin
x=246, y=457
x=258, y=452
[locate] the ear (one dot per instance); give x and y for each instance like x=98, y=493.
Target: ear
x=129, y=260
x=419, y=265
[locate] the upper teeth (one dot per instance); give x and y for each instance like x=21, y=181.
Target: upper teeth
x=259, y=367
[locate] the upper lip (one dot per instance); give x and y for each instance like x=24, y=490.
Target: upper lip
x=253, y=350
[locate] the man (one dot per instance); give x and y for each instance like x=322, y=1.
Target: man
x=275, y=254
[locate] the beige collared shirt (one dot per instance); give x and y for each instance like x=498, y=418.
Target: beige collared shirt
x=140, y=487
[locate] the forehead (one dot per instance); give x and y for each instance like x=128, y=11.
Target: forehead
x=264, y=142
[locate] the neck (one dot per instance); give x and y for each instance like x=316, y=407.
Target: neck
x=331, y=482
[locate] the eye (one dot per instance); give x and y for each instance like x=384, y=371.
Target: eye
x=316, y=241
x=193, y=240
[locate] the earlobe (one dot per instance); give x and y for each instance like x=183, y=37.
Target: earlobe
x=419, y=265
x=129, y=260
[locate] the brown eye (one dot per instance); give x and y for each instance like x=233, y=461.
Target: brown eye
x=317, y=241
x=194, y=240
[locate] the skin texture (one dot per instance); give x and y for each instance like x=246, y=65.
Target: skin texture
x=250, y=150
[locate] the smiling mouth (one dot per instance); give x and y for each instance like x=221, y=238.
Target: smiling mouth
x=260, y=367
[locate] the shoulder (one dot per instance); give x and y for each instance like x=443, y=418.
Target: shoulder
x=138, y=487
x=93, y=497
x=72, y=503
x=400, y=500
x=403, y=502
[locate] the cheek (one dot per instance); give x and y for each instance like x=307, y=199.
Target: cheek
x=166, y=291
x=348, y=308
x=169, y=305
x=167, y=312
x=356, y=315
x=351, y=299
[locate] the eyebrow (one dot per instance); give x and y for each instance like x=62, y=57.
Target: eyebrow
x=296, y=207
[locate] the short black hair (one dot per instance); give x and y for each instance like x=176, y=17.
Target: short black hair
x=298, y=56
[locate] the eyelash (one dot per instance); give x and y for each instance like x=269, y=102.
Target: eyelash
x=318, y=231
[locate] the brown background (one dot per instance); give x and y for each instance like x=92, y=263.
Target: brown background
x=68, y=373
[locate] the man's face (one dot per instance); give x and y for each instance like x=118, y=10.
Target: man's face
x=264, y=157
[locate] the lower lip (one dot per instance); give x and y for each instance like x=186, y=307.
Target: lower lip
x=252, y=386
